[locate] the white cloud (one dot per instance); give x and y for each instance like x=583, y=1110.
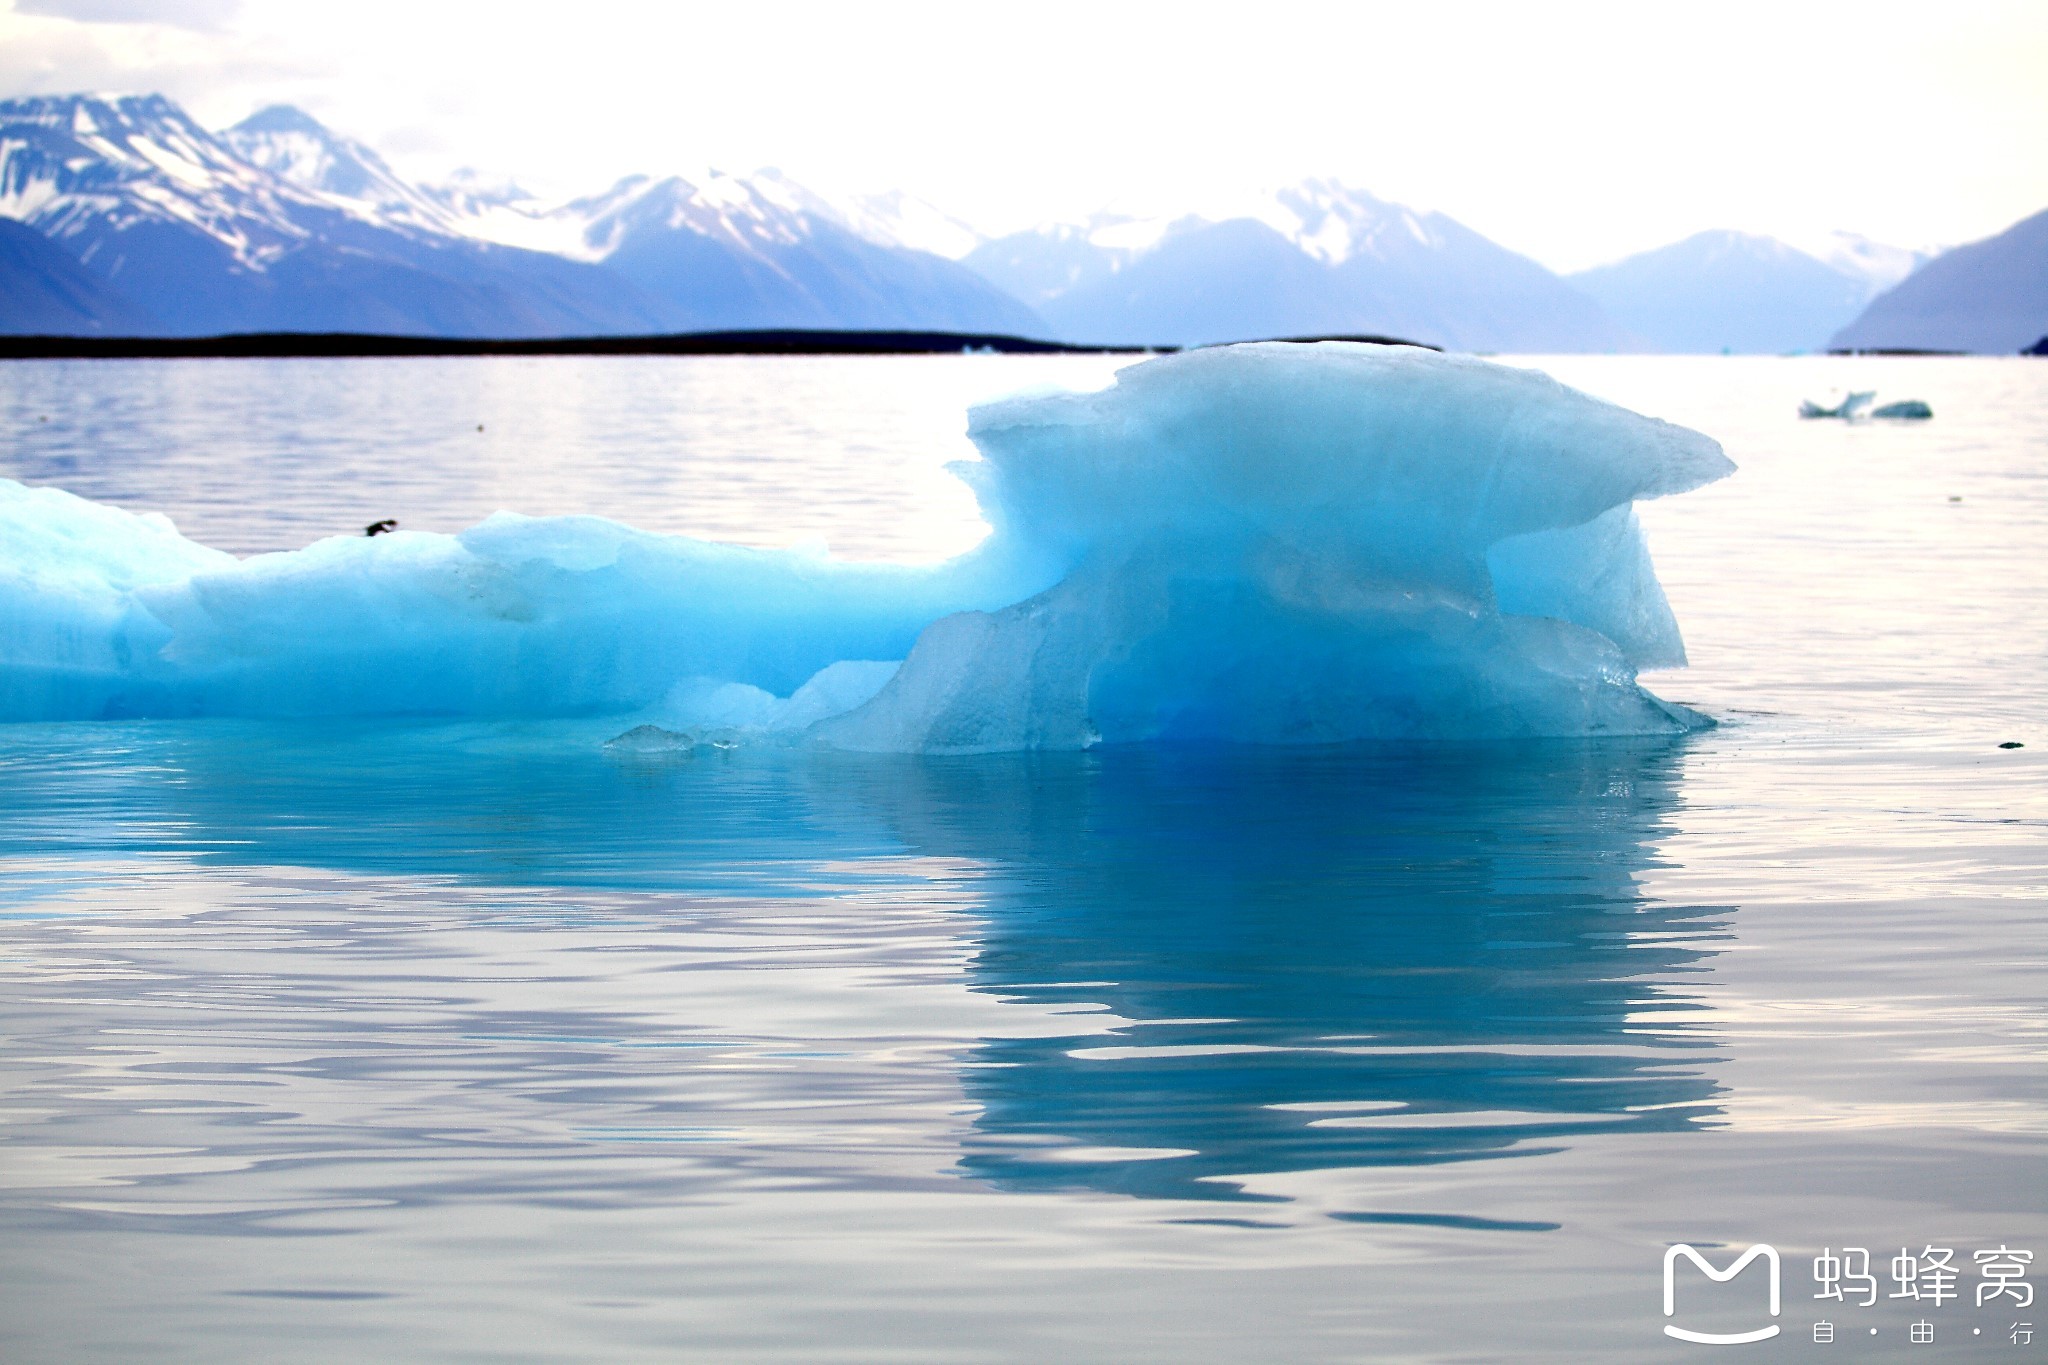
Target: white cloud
x=194, y=14
x=1575, y=132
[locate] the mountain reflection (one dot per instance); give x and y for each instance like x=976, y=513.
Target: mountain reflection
x=1274, y=960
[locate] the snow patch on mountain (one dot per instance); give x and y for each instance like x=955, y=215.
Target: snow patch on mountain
x=499, y=210
x=1989, y=296
x=892, y=219
x=1878, y=265
x=757, y=215
x=1326, y=219
x=1319, y=257
x=899, y=219
x=296, y=147
x=72, y=166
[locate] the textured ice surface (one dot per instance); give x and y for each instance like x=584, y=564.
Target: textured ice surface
x=1265, y=543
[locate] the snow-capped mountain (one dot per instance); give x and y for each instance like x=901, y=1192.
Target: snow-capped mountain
x=765, y=248
x=893, y=219
x=1045, y=263
x=728, y=251
x=297, y=148
x=469, y=193
x=1334, y=223
x=123, y=215
x=1727, y=291
x=499, y=209
x=193, y=238
x=104, y=175
x=899, y=219
x=1314, y=258
x=748, y=214
x=1989, y=296
x=1877, y=264
x=280, y=224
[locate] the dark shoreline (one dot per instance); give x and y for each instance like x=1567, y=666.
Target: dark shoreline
x=787, y=341
x=312, y=344
x=1896, y=350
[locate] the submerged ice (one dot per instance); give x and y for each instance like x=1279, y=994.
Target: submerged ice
x=1269, y=543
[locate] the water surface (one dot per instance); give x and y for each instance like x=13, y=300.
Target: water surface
x=440, y=1041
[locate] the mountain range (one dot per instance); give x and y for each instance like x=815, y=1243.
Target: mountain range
x=1732, y=291
x=193, y=238
x=1987, y=296
x=1317, y=258
x=123, y=216
x=278, y=224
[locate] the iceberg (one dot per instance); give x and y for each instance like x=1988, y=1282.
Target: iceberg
x=1856, y=406
x=1266, y=543
x=1849, y=407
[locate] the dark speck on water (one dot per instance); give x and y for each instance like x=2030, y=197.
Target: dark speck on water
x=2012, y=744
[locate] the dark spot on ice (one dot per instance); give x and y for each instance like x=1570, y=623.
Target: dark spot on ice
x=378, y=528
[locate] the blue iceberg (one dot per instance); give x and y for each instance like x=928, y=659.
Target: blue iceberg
x=1849, y=407
x=1266, y=543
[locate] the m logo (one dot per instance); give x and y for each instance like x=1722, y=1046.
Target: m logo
x=1768, y=1253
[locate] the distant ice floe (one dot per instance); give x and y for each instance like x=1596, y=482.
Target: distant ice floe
x=1850, y=407
x=1267, y=543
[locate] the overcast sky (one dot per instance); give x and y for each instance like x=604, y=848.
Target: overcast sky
x=1573, y=132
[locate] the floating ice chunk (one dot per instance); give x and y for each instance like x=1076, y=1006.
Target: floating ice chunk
x=71, y=572
x=1282, y=543
x=697, y=708
x=651, y=739
x=516, y=616
x=1272, y=543
x=1848, y=408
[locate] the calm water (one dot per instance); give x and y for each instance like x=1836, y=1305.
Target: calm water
x=470, y=1042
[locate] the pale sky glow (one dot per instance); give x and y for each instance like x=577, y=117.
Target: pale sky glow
x=1573, y=132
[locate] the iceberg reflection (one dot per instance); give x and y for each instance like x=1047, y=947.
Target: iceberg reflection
x=1271, y=960
x=1320, y=960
